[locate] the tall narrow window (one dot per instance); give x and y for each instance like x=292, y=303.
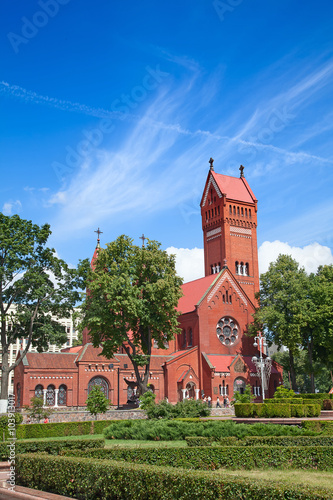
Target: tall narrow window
x=237, y=210
x=246, y=212
x=242, y=210
x=230, y=209
x=190, y=337
x=236, y=267
x=250, y=212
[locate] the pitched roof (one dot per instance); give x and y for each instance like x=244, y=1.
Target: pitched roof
x=50, y=360
x=220, y=362
x=235, y=188
x=193, y=291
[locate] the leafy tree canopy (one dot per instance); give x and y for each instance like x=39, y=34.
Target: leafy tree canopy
x=97, y=402
x=132, y=299
x=36, y=289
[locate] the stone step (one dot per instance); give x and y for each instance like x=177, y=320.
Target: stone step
x=326, y=413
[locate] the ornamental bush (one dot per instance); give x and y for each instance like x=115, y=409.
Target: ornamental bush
x=87, y=479
x=53, y=447
x=215, y=457
x=179, y=429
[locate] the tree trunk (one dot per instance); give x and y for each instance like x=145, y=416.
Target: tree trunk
x=310, y=356
x=292, y=371
x=4, y=376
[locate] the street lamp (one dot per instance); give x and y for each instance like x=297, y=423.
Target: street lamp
x=263, y=365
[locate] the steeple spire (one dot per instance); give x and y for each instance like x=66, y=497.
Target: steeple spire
x=98, y=240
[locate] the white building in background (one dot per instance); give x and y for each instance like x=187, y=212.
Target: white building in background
x=72, y=335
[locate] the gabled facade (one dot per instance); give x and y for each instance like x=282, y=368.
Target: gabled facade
x=212, y=356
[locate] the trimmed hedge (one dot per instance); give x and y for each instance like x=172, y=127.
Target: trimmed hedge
x=263, y=440
x=90, y=479
x=62, y=429
x=321, y=426
x=51, y=446
x=231, y=457
x=276, y=410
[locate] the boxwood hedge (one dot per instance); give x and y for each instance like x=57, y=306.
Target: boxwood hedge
x=231, y=457
x=90, y=479
x=62, y=429
x=52, y=446
x=277, y=410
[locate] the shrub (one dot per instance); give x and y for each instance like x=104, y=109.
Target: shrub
x=188, y=408
x=97, y=402
x=53, y=447
x=312, y=410
x=215, y=457
x=179, y=429
x=87, y=479
x=198, y=441
x=320, y=426
x=283, y=393
x=4, y=420
x=297, y=410
x=327, y=404
x=244, y=410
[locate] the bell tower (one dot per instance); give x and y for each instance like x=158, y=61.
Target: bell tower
x=229, y=223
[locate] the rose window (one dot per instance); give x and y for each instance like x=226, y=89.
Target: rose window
x=227, y=331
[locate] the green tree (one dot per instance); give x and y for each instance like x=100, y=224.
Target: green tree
x=97, y=402
x=131, y=302
x=316, y=320
x=37, y=410
x=36, y=289
x=281, y=299
x=246, y=397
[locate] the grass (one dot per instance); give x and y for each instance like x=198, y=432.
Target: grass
x=314, y=479
x=138, y=443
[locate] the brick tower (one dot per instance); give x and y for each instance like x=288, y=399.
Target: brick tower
x=229, y=223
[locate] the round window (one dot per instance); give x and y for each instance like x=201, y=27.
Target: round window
x=227, y=331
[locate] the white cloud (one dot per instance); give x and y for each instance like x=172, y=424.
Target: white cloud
x=310, y=256
x=189, y=262
x=11, y=207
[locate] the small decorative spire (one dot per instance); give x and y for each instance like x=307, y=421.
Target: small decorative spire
x=143, y=238
x=225, y=264
x=211, y=161
x=241, y=169
x=98, y=233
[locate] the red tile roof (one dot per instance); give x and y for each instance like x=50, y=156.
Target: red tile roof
x=52, y=360
x=220, y=362
x=193, y=291
x=236, y=188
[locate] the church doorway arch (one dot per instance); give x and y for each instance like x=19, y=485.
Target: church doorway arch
x=190, y=390
x=239, y=385
x=100, y=382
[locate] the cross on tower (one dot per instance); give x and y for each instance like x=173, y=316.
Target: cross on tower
x=241, y=169
x=211, y=161
x=98, y=233
x=143, y=238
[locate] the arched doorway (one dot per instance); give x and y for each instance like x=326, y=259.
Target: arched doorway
x=190, y=392
x=239, y=385
x=100, y=382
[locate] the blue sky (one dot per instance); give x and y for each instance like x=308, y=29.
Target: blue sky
x=110, y=112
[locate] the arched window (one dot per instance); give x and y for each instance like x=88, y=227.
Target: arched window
x=62, y=395
x=246, y=269
x=39, y=391
x=190, y=337
x=184, y=338
x=241, y=268
x=250, y=212
x=237, y=210
x=242, y=210
x=230, y=209
x=50, y=395
x=237, y=267
x=234, y=210
x=100, y=382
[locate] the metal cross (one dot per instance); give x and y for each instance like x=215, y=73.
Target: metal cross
x=241, y=168
x=211, y=161
x=143, y=238
x=98, y=232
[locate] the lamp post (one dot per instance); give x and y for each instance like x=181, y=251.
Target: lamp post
x=262, y=365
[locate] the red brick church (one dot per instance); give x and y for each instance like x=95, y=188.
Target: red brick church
x=212, y=356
